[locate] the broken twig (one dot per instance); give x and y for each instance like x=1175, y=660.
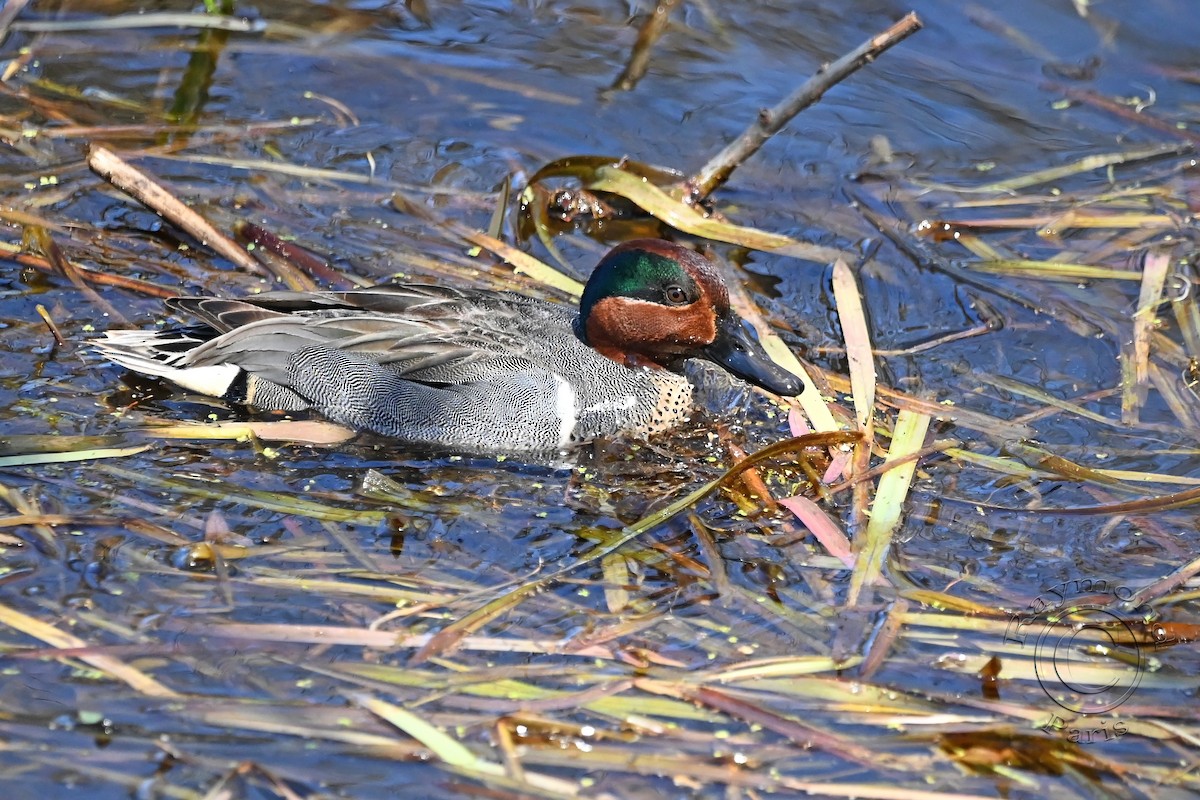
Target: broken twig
x=50, y=323
x=771, y=121
x=140, y=186
x=648, y=34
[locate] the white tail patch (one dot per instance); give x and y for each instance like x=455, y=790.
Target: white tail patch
x=139, y=351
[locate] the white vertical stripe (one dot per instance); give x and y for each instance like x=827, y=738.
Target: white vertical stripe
x=567, y=409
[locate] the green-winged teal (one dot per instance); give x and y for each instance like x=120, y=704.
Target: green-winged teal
x=469, y=369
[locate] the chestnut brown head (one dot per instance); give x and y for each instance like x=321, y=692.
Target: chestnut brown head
x=654, y=303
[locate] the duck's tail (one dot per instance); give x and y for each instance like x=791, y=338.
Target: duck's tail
x=162, y=354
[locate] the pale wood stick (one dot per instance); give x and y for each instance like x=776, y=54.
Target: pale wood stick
x=145, y=190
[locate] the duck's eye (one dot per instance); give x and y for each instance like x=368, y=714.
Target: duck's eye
x=675, y=295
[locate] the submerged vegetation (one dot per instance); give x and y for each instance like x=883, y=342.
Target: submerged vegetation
x=928, y=578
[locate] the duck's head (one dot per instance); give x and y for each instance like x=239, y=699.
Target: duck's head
x=654, y=303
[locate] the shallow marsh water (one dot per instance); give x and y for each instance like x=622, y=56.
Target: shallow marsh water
x=443, y=101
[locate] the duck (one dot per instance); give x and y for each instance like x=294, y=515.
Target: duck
x=469, y=369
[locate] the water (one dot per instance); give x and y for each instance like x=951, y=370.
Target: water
x=460, y=96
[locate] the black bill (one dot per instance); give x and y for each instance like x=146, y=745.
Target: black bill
x=737, y=351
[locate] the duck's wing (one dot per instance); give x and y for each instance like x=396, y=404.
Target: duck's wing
x=429, y=334
x=428, y=302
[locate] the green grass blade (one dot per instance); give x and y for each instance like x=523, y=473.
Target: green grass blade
x=907, y=438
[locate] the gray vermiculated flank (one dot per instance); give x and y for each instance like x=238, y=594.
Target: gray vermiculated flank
x=460, y=368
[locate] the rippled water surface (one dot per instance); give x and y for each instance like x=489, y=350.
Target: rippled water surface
x=442, y=102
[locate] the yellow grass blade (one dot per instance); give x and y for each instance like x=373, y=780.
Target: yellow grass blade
x=815, y=407
x=907, y=438
x=687, y=219
x=115, y=668
x=1154, y=276
x=616, y=577
x=858, y=340
x=1042, y=396
x=78, y=455
x=314, y=432
x=440, y=743
x=1053, y=270
x=1088, y=164
x=521, y=262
